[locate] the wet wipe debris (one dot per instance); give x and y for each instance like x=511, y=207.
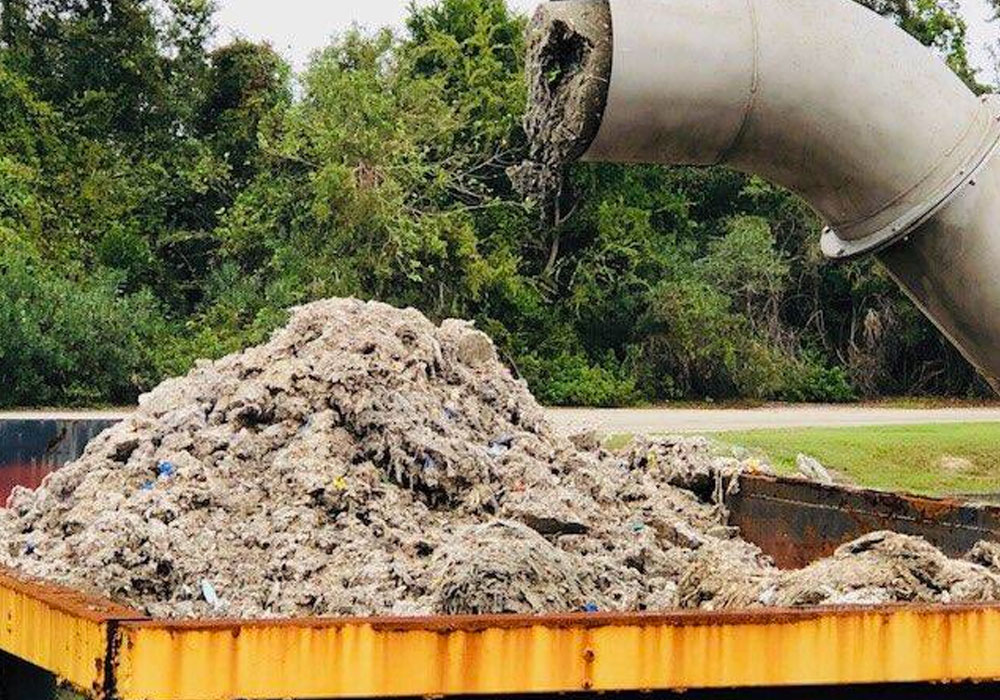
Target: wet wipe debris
x=365, y=461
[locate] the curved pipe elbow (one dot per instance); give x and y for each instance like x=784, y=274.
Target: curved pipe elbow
x=829, y=100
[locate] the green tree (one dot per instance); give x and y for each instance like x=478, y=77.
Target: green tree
x=247, y=84
x=935, y=23
x=177, y=199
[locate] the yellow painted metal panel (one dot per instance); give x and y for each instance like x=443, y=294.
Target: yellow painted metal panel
x=67, y=634
x=59, y=630
x=353, y=660
x=370, y=658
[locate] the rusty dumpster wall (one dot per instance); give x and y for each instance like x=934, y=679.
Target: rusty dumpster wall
x=875, y=691
x=31, y=448
x=893, y=651
x=797, y=521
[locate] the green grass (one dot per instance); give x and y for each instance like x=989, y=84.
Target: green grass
x=961, y=458
x=618, y=441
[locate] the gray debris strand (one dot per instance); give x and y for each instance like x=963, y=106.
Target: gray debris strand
x=366, y=461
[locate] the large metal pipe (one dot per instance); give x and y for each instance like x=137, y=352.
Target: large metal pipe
x=838, y=105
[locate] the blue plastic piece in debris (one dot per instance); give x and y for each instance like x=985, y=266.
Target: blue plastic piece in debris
x=165, y=469
x=590, y=607
x=147, y=486
x=637, y=527
x=29, y=548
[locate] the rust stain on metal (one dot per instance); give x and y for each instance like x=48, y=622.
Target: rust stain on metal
x=134, y=657
x=448, y=624
x=27, y=474
x=933, y=509
x=90, y=607
x=63, y=631
x=521, y=654
x=30, y=448
x=797, y=522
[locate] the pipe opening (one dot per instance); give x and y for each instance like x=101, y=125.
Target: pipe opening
x=568, y=70
x=563, y=55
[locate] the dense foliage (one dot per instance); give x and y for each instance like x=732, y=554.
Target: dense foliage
x=162, y=201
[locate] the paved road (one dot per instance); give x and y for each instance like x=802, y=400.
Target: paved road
x=666, y=420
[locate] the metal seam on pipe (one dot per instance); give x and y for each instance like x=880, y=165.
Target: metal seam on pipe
x=921, y=180
x=842, y=249
x=933, y=199
x=754, y=84
x=847, y=111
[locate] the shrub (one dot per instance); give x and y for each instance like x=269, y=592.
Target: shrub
x=570, y=379
x=72, y=341
x=815, y=382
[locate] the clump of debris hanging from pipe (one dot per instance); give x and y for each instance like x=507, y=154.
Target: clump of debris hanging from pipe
x=569, y=64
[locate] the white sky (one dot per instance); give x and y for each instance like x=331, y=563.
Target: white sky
x=297, y=27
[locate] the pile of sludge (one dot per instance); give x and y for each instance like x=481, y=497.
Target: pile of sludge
x=365, y=461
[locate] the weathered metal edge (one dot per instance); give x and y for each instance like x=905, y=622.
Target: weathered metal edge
x=61, y=630
x=105, y=649
x=497, y=655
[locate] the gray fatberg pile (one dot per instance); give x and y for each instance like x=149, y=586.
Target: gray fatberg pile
x=365, y=461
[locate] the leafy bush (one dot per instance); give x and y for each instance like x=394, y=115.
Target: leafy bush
x=812, y=382
x=66, y=341
x=571, y=380
x=164, y=197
